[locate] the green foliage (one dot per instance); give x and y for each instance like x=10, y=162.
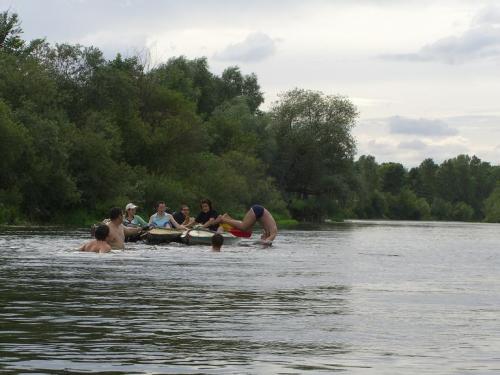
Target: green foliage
x=13, y=142
x=441, y=209
x=406, y=206
x=393, y=177
x=314, y=149
x=80, y=134
x=492, y=206
x=10, y=33
x=455, y=190
x=10, y=203
x=462, y=212
x=422, y=180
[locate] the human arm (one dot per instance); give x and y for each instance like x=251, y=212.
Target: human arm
x=189, y=222
x=131, y=230
x=141, y=221
x=151, y=218
x=213, y=220
x=175, y=223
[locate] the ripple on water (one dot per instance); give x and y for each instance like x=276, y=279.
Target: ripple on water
x=358, y=298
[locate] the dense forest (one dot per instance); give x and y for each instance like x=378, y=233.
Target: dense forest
x=80, y=134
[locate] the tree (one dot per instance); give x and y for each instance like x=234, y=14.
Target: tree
x=492, y=206
x=454, y=182
x=392, y=177
x=10, y=33
x=423, y=179
x=314, y=145
x=366, y=201
x=233, y=84
x=191, y=78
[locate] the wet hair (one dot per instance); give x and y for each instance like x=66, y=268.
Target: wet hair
x=115, y=212
x=206, y=201
x=158, y=203
x=217, y=240
x=101, y=232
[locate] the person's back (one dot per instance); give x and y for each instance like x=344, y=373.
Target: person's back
x=99, y=245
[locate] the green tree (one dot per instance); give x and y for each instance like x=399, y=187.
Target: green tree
x=441, y=209
x=10, y=33
x=314, y=145
x=492, y=205
x=462, y=212
x=233, y=84
x=423, y=179
x=406, y=206
x=366, y=201
x=392, y=177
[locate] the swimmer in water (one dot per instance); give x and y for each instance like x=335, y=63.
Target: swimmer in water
x=99, y=245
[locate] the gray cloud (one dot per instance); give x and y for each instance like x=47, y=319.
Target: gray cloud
x=481, y=41
x=422, y=126
x=478, y=43
x=256, y=47
x=489, y=15
x=413, y=145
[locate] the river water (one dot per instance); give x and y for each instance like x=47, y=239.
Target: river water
x=360, y=297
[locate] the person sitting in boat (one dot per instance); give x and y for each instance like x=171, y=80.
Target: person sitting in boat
x=99, y=245
x=208, y=217
x=131, y=219
x=254, y=214
x=182, y=216
x=162, y=219
x=217, y=241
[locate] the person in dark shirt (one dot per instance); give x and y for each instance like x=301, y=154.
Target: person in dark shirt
x=208, y=217
x=182, y=216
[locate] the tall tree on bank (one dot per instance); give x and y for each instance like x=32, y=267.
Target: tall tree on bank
x=314, y=150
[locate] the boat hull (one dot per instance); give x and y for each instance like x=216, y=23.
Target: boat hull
x=162, y=235
x=204, y=237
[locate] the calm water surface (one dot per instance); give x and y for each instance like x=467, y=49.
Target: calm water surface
x=359, y=298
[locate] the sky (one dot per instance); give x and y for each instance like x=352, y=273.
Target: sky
x=423, y=74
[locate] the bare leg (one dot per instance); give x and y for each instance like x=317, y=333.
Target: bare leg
x=247, y=222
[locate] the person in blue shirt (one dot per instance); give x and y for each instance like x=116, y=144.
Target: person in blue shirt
x=162, y=219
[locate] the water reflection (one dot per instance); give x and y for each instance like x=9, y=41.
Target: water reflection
x=70, y=311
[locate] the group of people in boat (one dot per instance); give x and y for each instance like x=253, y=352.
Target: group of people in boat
x=111, y=234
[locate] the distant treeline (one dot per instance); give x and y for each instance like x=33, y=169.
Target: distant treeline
x=80, y=134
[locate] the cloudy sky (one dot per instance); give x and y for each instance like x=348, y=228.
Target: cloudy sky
x=424, y=74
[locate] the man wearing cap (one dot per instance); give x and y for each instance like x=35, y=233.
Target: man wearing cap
x=131, y=219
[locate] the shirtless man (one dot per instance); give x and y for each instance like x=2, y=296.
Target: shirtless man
x=99, y=245
x=254, y=214
x=117, y=230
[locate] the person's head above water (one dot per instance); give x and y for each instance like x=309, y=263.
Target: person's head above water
x=115, y=213
x=217, y=241
x=101, y=232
